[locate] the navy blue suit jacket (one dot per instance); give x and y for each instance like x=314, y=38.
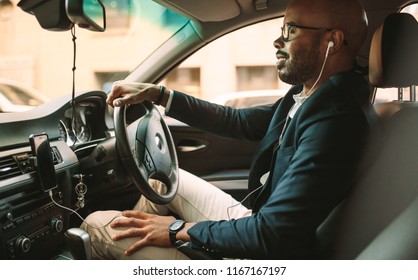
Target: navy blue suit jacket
x=310, y=173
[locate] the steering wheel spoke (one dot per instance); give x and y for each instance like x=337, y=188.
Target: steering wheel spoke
x=148, y=152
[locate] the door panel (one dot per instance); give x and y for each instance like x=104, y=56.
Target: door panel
x=222, y=161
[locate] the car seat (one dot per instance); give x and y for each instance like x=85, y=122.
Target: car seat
x=378, y=220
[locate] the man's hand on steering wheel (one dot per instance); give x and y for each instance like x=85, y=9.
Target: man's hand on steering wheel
x=124, y=93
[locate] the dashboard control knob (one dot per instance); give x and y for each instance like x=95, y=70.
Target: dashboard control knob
x=57, y=225
x=23, y=244
x=9, y=216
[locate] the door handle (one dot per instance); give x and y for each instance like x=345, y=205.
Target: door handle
x=189, y=149
x=191, y=145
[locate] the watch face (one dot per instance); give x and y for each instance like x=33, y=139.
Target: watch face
x=176, y=225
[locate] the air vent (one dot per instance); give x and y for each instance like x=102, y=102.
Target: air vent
x=56, y=155
x=15, y=165
x=9, y=168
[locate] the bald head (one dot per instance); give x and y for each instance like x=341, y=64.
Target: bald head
x=346, y=15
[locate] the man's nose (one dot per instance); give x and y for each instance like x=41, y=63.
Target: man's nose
x=279, y=43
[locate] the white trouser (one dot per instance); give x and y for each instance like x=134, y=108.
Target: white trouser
x=196, y=200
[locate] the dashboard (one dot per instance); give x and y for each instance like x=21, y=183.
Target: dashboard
x=33, y=222
x=85, y=121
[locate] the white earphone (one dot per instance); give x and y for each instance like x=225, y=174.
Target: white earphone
x=330, y=45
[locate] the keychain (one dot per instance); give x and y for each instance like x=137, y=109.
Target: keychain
x=80, y=190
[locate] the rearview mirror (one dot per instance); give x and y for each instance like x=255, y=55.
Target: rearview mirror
x=88, y=14
x=51, y=15
x=60, y=15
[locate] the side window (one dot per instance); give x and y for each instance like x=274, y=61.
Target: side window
x=236, y=70
x=390, y=94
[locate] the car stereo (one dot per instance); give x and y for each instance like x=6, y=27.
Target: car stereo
x=32, y=226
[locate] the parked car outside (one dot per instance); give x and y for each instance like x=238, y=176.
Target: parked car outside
x=15, y=97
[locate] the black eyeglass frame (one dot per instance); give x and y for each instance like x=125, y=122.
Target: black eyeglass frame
x=287, y=26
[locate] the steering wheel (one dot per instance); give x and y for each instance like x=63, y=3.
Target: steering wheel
x=147, y=151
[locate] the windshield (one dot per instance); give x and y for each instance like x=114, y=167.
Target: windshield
x=43, y=60
x=19, y=96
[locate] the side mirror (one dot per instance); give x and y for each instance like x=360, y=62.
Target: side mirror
x=88, y=14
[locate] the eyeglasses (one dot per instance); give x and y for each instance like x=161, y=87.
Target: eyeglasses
x=287, y=29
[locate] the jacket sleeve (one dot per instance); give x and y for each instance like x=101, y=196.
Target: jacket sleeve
x=248, y=123
x=316, y=176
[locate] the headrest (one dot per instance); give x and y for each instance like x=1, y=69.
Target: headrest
x=393, y=59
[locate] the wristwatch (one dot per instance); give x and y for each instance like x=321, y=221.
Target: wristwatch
x=174, y=228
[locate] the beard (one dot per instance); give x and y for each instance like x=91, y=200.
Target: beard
x=300, y=66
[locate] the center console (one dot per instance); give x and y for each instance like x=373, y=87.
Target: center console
x=32, y=224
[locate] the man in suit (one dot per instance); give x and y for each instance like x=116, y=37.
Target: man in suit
x=311, y=143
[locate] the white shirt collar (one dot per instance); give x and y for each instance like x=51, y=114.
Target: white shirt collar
x=299, y=100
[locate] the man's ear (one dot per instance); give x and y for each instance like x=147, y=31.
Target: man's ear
x=337, y=40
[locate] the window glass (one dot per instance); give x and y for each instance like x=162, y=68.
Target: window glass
x=185, y=79
x=116, y=12
x=236, y=70
x=33, y=58
x=19, y=96
x=256, y=77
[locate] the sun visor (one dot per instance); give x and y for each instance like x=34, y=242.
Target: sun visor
x=51, y=15
x=204, y=10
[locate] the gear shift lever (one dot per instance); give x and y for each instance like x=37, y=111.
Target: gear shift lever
x=78, y=243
